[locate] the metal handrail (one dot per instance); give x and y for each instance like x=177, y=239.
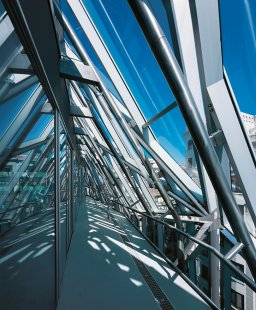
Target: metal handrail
x=244, y=277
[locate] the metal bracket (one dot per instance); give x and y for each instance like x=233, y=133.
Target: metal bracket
x=133, y=204
x=80, y=111
x=218, y=138
x=77, y=71
x=235, y=250
x=133, y=124
x=79, y=131
x=47, y=108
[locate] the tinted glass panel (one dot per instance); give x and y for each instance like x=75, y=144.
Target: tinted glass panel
x=27, y=237
x=239, y=49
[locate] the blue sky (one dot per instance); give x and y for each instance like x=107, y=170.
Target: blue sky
x=131, y=52
x=133, y=56
x=138, y=67
x=239, y=49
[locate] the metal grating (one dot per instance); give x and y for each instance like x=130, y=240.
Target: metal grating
x=159, y=295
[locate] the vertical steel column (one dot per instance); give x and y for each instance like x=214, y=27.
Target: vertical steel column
x=57, y=198
x=185, y=100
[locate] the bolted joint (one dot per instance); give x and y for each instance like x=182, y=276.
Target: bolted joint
x=218, y=138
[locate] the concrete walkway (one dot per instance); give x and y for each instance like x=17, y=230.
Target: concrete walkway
x=104, y=272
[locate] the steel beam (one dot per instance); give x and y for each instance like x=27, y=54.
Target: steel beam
x=160, y=114
x=57, y=201
x=185, y=100
x=101, y=50
x=77, y=71
x=28, y=19
x=117, y=156
x=14, y=90
x=80, y=111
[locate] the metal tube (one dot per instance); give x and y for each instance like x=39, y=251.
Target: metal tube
x=143, y=158
x=115, y=153
x=174, y=76
x=178, y=271
x=105, y=171
x=237, y=271
x=236, y=249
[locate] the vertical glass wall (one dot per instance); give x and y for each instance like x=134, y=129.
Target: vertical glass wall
x=70, y=197
x=28, y=266
x=76, y=189
x=63, y=199
x=27, y=217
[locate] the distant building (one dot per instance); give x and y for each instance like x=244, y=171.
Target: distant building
x=154, y=192
x=249, y=122
x=241, y=296
x=190, y=166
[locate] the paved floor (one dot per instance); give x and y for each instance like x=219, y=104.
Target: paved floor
x=103, y=269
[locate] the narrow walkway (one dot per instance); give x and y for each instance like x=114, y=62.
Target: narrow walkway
x=111, y=266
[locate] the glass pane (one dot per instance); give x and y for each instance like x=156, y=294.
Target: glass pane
x=173, y=135
x=27, y=234
x=239, y=49
x=27, y=210
x=132, y=54
x=69, y=198
x=39, y=127
x=9, y=109
x=63, y=199
x=76, y=188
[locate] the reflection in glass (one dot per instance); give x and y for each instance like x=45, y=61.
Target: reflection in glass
x=64, y=198
x=27, y=236
x=11, y=108
x=173, y=135
x=132, y=54
x=238, y=30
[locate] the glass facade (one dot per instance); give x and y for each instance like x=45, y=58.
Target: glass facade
x=140, y=108
x=28, y=211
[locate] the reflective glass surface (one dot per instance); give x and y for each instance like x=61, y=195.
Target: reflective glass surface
x=33, y=258
x=63, y=199
x=27, y=208
x=27, y=233
x=238, y=30
x=12, y=107
x=131, y=52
